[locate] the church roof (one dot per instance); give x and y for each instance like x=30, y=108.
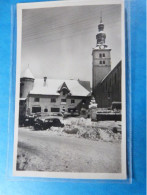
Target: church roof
x=52, y=87
x=119, y=64
x=27, y=74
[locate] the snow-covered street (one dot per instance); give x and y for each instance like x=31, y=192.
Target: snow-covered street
x=52, y=150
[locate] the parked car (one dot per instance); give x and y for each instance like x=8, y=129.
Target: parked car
x=43, y=124
x=29, y=120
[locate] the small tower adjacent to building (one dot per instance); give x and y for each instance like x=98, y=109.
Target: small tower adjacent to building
x=101, y=55
x=26, y=83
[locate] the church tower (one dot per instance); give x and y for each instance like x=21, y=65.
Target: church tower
x=101, y=58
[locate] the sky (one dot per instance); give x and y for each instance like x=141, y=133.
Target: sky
x=57, y=42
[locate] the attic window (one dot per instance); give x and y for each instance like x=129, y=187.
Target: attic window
x=72, y=101
x=64, y=92
x=84, y=101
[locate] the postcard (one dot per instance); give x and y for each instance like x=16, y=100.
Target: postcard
x=70, y=106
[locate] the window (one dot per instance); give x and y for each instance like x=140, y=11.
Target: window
x=100, y=62
x=63, y=100
x=53, y=99
x=103, y=62
x=106, y=86
x=115, y=78
x=45, y=110
x=110, y=82
x=72, y=101
x=36, y=99
x=55, y=109
x=100, y=55
x=103, y=54
x=84, y=101
x=64, y=93
x=109, y=95
x=36, y=109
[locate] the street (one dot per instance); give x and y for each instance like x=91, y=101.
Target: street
x=44, y=151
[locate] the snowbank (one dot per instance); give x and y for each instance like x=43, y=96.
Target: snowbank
x=109, y=131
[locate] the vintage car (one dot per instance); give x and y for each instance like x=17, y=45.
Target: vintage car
x=27, y=120
x=43, y=124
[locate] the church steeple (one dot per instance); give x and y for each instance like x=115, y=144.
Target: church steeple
x=101, y=36
x=101, y=57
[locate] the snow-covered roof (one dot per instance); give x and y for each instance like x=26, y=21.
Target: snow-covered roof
x=22, y=99
x=99, y=45
x=101, y=32
x=119, y=64
x=27, y=74
x=51, y=87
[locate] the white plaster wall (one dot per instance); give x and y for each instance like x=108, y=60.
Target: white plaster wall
x=45, y=103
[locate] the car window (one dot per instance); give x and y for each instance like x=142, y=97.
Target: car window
x=56, y=120
x=50, y=120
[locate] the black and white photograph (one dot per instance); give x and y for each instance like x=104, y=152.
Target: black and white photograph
x=70, y=108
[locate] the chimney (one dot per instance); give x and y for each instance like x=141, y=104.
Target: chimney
x=45, y=78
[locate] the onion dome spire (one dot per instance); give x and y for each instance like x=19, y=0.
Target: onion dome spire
x=101, y=36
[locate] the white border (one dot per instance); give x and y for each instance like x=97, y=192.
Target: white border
x=51, y=4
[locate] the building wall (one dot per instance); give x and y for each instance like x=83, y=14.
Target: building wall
x=45, y=102
x=109, y=89
x=101, y=65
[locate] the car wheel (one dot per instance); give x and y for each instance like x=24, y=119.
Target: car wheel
x=36, y=127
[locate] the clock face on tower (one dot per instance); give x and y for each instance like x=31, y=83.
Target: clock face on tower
x=102, y=47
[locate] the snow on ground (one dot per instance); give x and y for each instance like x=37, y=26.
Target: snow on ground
x=47, y=151
x=85, y=128
x=80, y=146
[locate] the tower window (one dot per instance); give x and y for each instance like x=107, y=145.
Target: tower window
x=103, y=54
x=100, y=55
x=103, y=62
x=100, y=62
x=36, y=99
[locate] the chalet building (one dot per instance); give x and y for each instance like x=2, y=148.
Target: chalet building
x=51, y=95
x=106, y=84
